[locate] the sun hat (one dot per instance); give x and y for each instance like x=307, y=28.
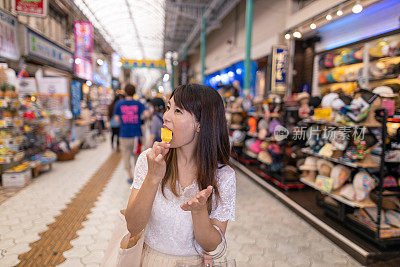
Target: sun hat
x=302, y=95
x=310, y=164
x=393, y=218
x=337, y=104
x=238, y=136
x=389, y=181
x=384, y=91
x=249, y=142
x=326, y=150
x=262, y=133
x=262, y=124
x=290, y=173
x=339, y=140
x=363, y=184
x=255, y=147
x=337, y=60
x=348, y=192
x=378, y=69
x=321, y=162
x=328, y=60
x=272, y=125
x=265, y=157
x=340, y=174
x=328, y=99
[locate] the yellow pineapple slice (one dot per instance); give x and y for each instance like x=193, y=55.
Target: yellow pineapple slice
x=166, y=135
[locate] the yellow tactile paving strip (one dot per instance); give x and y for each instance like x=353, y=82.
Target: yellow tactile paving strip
x=48, y=251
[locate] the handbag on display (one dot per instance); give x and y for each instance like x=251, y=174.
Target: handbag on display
x=209, y=260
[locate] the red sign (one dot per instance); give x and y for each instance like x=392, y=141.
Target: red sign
x=31, y=7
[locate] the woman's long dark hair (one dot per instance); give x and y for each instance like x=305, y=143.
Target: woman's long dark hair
x=213, y=147
x=112, y=105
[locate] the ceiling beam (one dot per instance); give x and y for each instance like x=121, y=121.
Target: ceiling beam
x=190, y=15
x=221, y=9
x=189, y=4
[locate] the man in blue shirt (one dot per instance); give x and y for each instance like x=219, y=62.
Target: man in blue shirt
x=129, y=112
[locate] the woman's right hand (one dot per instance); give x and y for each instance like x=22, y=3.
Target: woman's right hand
x=155, y=161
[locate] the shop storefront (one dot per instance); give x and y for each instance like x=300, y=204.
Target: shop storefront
x=337, y=137
x=233, y=76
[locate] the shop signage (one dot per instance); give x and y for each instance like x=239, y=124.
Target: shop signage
x=43, y=49
x=83, y=68
x=8, y=36
x=133, y=63
x=36, y=8
x=27, y=86
x=100, y=80
x=323, y=113
x=116, y=65
x=76, y=95
x=279, y=69
x=83, y=39
x=83, y=49
x=54, y=86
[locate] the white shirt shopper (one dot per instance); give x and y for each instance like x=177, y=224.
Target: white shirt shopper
x=182, y=188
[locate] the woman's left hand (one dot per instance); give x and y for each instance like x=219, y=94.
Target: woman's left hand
x=199, y=201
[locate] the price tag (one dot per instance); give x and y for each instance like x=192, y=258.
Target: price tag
x=323, y=113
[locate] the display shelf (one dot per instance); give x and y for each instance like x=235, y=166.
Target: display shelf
x=236, y=127
x=342, y=66
x=325, y=84
x=250, y=154
x=232, y=111
x=371, y=232
x=295, y=108
x=257, y=115
x=278, y=182
x=268, y=139
x=387, y=77
x=341, y=161
x=237, y=144
x=367, y=203
x=250, y=134
x=339, y=124
x=386, y=59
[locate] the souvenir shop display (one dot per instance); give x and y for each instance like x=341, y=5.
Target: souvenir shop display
x=349, y=173
x=11, y=136
x=255, y=141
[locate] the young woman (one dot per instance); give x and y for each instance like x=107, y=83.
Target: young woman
x=182, y=188
x=114, y=125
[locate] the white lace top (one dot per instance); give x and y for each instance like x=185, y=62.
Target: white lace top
x=170, y=229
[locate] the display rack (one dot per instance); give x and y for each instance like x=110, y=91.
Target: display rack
x=250, y=159
x=344, y=209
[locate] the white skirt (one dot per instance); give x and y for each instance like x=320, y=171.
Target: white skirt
x=154, y=258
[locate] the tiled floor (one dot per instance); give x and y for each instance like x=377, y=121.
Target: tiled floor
x=265, y=232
